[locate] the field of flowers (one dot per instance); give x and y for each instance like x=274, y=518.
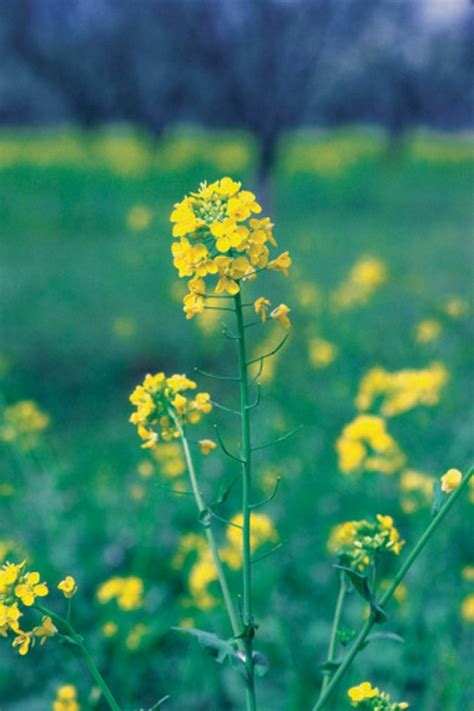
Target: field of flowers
x=374, y=382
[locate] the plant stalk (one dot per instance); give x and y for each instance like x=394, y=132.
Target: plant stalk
x=91, y=665
x=369, y=623
x=202, y=508
x=246, y=504
x=331, y=657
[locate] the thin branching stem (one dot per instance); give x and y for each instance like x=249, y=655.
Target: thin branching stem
x=246, y=511
x=203, y=510
x=359, y=642
x=79, y=643
x=331, y=658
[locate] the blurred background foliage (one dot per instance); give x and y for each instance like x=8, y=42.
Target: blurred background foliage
x=112, y=111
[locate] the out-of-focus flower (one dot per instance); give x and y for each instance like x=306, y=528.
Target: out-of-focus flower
x=428, y=330
x=451, y=480
x=365, y=444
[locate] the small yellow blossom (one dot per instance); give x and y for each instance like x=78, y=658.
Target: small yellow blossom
x=109, y=629
x=30, y=588
x=282, y=263
x=428, y=330
x=261, y=306
x=22, y=423
x=362, y=692
x=280, y=313
x=23, y=641
x=139, y=218
x=321, y=352
x=45, y=629
x=451, y=480
x=206, y=446
x=66, y=699
x=365, y=278
x=68, y=586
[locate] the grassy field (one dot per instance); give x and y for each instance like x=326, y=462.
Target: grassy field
x=91, y=302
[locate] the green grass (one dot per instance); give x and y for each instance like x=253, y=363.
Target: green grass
x=71, y=268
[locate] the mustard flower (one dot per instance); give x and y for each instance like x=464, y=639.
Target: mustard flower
x=68, y=586
x=402, y=390
x=261, y=306
x=365, y=444
x=369, y=698
x=29, y=588
x=22, y=423
x=359, y=543
x=127, y=592
x=365, y=278
x=160, y=400
x=451, y=480
x=66, y=699
x=280, y=313
x=23, y=641
x=45, y=629
x=321, y=352
x=219, y=234
x=428, y=331
x=467, y=608
x=206, y=446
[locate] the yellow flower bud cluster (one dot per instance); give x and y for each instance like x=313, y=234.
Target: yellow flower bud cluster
x=127, y=592
x=21, y=588
x=160, y=401
x=368, y=698
x=366, y=276
x=358, y=543
x=365, y=444
x=220, y=236
x=22, y=423
x=402, y=390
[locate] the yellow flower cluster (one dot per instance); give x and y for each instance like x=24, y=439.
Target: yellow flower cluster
x=169, y=457
x=160, y=404
x=127, y=592
x=365, y=444
x=402, y=390
x=366, y=276
x=22, y=423
x=358, y=543
x=369, y=698
x=202, y=574
x=21, y=588
x=66, y=699
x=220, y=236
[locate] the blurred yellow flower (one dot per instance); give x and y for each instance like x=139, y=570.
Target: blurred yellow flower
x=467, y=608
x=66, y=699
x=428, y=330
x=261, y=306
x=139, y=218
x=124, y=327
x=321, y=352
x=22, y=423
x=280, y=313
x=109, y=629
x=365, y=444
x=365, y=278
x=206, y=446
x=128, y=592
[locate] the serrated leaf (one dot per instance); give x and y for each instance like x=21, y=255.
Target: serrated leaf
x=261, y=663
x=437, y=498
x=218, y=648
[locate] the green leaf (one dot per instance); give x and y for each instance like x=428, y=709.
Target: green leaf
x=220, y=649
x=361, y=585
x=360, y=582
x=224, y=490
x=261, y=663
x=437, y=498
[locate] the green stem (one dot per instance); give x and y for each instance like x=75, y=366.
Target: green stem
x=246, y=504
x=335, y=626
x=202, y=508
x=369, y=623
x=91, y=665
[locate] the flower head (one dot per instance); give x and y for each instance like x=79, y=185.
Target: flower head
x=162, y=405
x=280, y=313
x=359, y=543
x=23, y=423
x=261, y=306
x=365, y=696
x=66, y=699
x=365, y=444
x=207, y=446
x=219, y=234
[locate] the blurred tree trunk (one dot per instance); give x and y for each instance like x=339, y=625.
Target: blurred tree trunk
x=267, y=158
